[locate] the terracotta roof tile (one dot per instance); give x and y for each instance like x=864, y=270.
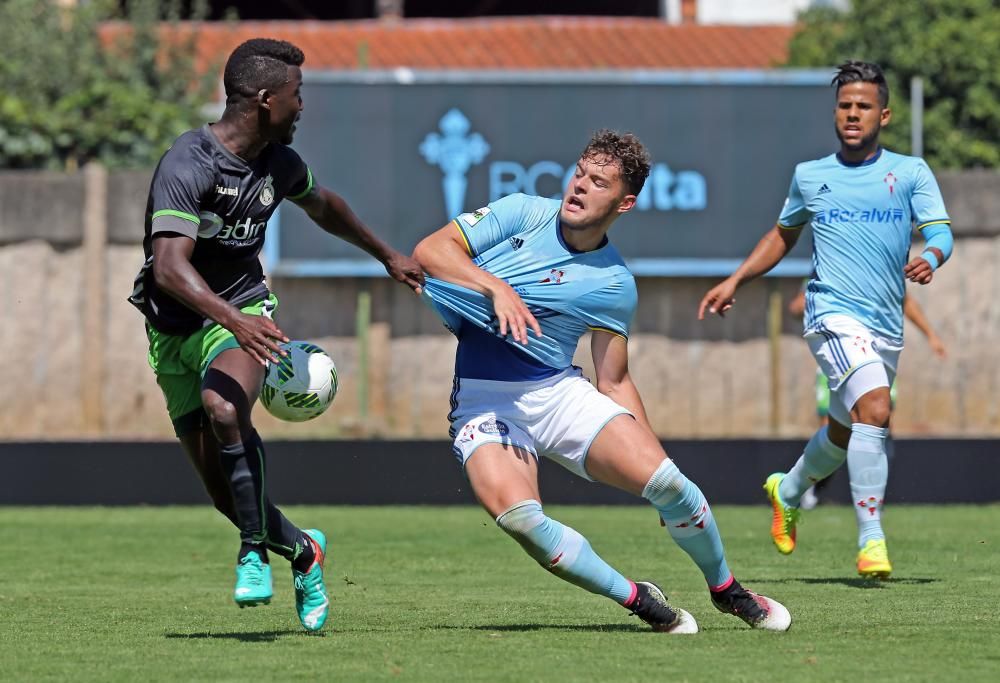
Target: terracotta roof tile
x=505, y=43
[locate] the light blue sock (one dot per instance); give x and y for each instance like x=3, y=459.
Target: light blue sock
x=563, y=551
x=819, y=460
x=688, y=518
x=869, y=470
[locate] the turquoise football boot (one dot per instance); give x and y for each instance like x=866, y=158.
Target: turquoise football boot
x=311, y=601
x=253, y=581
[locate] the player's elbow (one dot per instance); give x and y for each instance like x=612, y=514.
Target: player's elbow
x=424, y=253
x=420, y=251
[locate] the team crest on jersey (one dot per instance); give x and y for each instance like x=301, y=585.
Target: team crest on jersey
x=890, y=180
x=555, y=277
x=471, y=219
x=267, y=192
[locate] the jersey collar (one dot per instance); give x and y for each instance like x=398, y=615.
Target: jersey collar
x=857, y=164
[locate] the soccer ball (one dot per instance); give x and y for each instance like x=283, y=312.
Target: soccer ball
x=302, y=385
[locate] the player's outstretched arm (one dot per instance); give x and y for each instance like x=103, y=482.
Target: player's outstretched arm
x=443, y=255
x=610, y=352
x=772, y=247
x=256, y=334
x=914, y=312
x=330, y=212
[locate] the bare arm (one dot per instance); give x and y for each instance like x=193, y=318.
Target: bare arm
x=797, y=306
x=443, y=255
x=771, y=248
x=330, y=212
x=610, y=353
x=914, y=312
x=174, y=274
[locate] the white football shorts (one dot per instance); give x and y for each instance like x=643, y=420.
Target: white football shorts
x=854, y=359
x=557, y=417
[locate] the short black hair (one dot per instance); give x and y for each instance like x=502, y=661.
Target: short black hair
x=626, y=151
x=259, y=63
x=854, y=71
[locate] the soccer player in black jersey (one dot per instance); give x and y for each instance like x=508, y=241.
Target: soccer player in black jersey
x=208, y=309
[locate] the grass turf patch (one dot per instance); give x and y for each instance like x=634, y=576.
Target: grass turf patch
x=440, y=594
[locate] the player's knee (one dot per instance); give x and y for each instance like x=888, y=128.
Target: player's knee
x=519, y=519
x=537, y=534
x=222, y=414
x=873, y=408
x=665, y=484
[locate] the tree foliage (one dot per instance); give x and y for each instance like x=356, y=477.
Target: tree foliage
x=67, y=96
x=953, y=45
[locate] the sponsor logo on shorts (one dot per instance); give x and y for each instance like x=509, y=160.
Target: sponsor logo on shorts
x=494, y=426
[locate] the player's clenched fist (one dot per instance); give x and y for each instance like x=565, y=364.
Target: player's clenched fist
x=918, y=270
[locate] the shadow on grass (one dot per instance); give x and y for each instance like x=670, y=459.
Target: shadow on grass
x=852, y=582
x=502, y=628
x=243, y=636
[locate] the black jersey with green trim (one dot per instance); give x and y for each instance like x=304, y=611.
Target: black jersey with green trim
x=203, y=191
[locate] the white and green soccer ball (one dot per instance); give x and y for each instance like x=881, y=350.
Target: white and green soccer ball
x=302, y=385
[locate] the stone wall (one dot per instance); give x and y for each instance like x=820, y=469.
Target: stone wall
x=707, y=380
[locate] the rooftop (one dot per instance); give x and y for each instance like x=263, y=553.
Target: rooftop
x=506, y=43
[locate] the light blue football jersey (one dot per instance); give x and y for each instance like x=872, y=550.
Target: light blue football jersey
x=517, y=238
x=862, y=217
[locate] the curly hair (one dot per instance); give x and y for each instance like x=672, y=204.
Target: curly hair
x=624, y=150
x=259, y=63
x=854, y=71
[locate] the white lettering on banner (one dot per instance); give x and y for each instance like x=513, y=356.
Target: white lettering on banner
x=665, y=190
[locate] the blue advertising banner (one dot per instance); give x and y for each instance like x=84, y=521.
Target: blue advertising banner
x=411, y=150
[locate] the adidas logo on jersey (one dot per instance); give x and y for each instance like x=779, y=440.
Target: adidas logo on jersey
x=516, y=243
x=824, y=189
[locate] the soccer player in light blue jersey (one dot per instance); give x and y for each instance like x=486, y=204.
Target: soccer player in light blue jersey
x=863, y=203
x=519, y=282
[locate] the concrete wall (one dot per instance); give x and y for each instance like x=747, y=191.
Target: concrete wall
x=698, y=380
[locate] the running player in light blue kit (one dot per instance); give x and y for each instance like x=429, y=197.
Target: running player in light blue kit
x=528, y=264
x=863, y=204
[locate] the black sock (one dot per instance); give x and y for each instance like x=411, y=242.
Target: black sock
x=305, y=556
x=289, y=542
x=244, y=467
x=283, y=537
x=727, y=592
x=258, y=548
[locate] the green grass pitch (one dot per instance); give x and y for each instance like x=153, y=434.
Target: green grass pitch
x=440, y=594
